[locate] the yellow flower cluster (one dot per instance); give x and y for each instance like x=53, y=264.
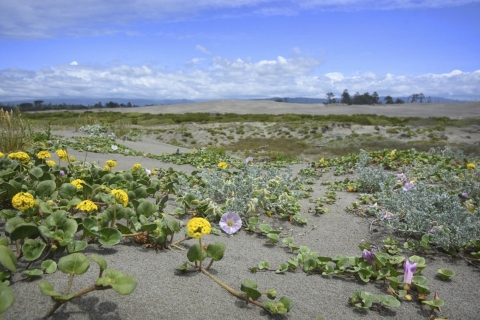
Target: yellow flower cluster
x=471, y=165
x=62, y=154
x=1, y=154
x=23, y=201
x=198, y=226
x=51, y=163
x=120, y=197
x=78, y=183
x=323, y=163
x=136, y=166
x=111, y=163
x=87, y=206
x=20, y=156
x=43, y=155
x=72, y=159
x=222, y=165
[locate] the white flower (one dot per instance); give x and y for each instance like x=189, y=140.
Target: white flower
x=114, y=147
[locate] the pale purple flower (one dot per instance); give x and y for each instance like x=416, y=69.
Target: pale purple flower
x=249, y=159
x=408, y=186
x=402, y=177
x=387, y=215
x=148, y=172
x=61, y=173
x=464, y=195
x=230, y=222
x=408, y=271
x=368, y=255
x=114, y=147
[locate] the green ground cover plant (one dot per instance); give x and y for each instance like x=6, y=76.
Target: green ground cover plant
x=54, y=206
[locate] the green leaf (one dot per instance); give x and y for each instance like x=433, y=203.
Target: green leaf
x=390, y=301
x=102, y=263
x=24, y=231
x=75, y=263
x=57, y=219
x=67, y=191
x=147, y=209
x=8, y=259
x=434, y=303
x=47, y=289
x=49, y=266
x=121, y=283
x=273, y=237
x=109, y=236
x=287, y=302
x=37, y=172
x=76, y=246
x=90, y=227
x=216, y=250
x=365, y=274
x=309, y=264
x=445, y=273
x=265, y=228
x=33, y=273
x=195, y=253
x=32, y=249
x=4, y=242
x=283, y=268
x=45, y=188
x=7, y=298
x=263, y=265
x=250, y=288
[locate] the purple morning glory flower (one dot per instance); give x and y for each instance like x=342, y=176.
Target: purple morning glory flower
x=61, y=173
x=402, y=177
x=368, y=255
x=249, y=159
x=408, y=271
x=408, y=186
x=464, y=195
x=230, y=222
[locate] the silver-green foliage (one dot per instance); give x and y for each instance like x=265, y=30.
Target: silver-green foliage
x=372, y=179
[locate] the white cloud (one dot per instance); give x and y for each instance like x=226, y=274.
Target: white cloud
x=223, y=78
x=50, y=18
x=74, y=63
x=203, y=50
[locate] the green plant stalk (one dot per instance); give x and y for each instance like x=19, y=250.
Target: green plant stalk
x=78, y=294
x=232, y=291
x=69, y=284
x=201, y=252
x=114, y=215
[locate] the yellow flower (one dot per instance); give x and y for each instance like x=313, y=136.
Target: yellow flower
x=87, y=206
x=43, y=155
x=111, y=163
x=471, y=165
x=51, y=163
x=222, y=165
x=62, y=155
x=120, y=197
x=1, y=154
x=23, y=201
x=72, y=159
x=350, y=188
x=136, y=166
x=106, y=168
x=392, y=154
x=198, y=226
x=20, y=156
x=78, y=183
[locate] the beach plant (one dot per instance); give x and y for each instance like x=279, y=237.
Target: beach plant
x=15, y=133
x=196, y=228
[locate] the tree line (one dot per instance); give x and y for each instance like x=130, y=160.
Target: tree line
x=373, y=98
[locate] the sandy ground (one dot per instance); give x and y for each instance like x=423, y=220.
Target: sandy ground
x=451, y=110
x=163, y=293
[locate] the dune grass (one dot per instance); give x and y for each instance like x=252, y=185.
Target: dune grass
x=14, y=133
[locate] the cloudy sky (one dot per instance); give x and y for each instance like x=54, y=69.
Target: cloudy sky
x=228, y=49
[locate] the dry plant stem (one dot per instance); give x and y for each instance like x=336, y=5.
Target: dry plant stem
x=233, y=292
x=78, y=294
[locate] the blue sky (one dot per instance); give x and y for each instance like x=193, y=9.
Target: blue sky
x=225, y=49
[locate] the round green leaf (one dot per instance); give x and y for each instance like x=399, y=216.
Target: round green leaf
x=36, y=172
x=121, y=283
x=67, y=191
x=32, y=249
x=102, y=263
x=216, y=250
x=47, y=289
x=195, y=253
x=7, y=298
x=49, y=266
x=33, y=273
x=24, y=231
x=109, y=236
x=8, y=259
x=77, y=246
x=75, y=263
x=57, y=219
x=445, y=273
x=390, y=301
x=250, y=288
x=45, y=188
x=146, y=208
x=287, y=302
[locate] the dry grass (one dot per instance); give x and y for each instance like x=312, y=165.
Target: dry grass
x=14, y=132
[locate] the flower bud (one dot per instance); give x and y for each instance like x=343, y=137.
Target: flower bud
x=272, y=294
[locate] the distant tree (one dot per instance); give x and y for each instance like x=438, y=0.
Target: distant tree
x=26, y=106
x=388, y=100
x=346, y=97
x=111, y=104
x=399, y=101
x=374, y=98
x=38, y=103
x=330, y=97
x=421, y=97
x=429, y=99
